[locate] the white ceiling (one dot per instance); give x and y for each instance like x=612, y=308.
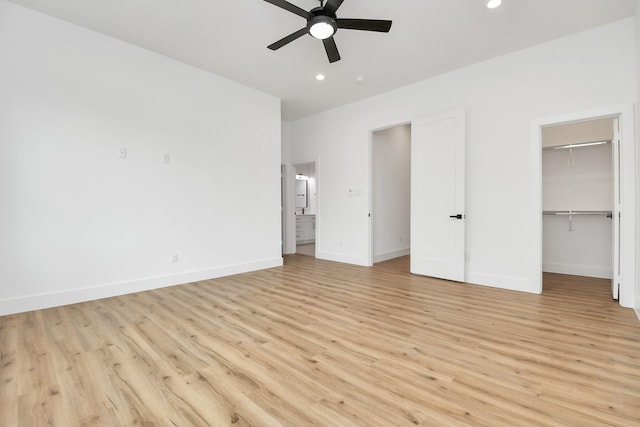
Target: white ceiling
x=428, y=37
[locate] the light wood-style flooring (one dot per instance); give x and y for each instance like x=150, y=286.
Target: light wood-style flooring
x=308, y=249
x=321, y=343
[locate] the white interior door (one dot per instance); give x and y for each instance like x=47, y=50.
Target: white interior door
x=615, y=280
x=438, y=196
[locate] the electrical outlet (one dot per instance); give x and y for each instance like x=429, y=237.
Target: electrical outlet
x=174, y=258
x=122, y=153
x=166, y=158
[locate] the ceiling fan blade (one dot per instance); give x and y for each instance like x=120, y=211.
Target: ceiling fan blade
x=290, y=7
x=332, y=5
x=379, y=25
x=288, y=39
x=332, y=49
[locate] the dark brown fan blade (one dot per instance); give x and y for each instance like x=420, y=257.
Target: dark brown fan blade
x=365, y=24
x=290, y=7
x=332, y=49
x=332, y=6
x=286, y=40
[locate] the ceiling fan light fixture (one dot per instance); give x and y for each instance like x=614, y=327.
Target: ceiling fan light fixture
x=322, y=24
x=492, y=4
x=322, y=27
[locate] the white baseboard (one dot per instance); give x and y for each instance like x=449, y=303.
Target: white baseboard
x=577, y=270
x=72, y=296
x=346, y=259
x=391, y=255
x=503, y=282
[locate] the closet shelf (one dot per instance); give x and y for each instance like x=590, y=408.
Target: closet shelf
x=608, y=214
x=576, y=145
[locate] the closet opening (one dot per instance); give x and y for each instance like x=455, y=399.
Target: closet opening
x=580, y=202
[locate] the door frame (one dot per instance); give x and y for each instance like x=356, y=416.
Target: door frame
x=627, y=194
x=289, y=209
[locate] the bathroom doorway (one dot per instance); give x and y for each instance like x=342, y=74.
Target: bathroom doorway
x=305, y=197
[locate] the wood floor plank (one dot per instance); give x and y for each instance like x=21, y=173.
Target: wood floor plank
x=9, y=358
x=317, y=343
x=8, y=412
x=230, y=391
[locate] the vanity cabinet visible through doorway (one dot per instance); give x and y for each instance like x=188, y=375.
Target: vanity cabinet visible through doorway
x=305, y=228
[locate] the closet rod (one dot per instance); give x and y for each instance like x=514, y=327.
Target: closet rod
x=577, y=145
x=608, y=214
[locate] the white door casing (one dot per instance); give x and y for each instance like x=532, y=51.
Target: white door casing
x=626, y=193
x=615, y=215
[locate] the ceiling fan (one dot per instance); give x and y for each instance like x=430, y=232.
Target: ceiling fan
x=322, y=24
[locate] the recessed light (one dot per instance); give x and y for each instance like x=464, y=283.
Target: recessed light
x=360, y=79
x=492, y=4
x=320, y=77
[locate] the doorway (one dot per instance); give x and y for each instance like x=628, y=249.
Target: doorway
x=580, y=193
x=435, y=200
x=305, y=196
x=390, y=192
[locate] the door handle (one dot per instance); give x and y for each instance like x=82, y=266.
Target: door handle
x=459, y=216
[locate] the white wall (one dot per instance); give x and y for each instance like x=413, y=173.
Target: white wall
x=502, y=97
x=76, y=222
x=288, y=197
x=391, y=192
x=583, y=250
x=285, y=146
x=581, y=180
